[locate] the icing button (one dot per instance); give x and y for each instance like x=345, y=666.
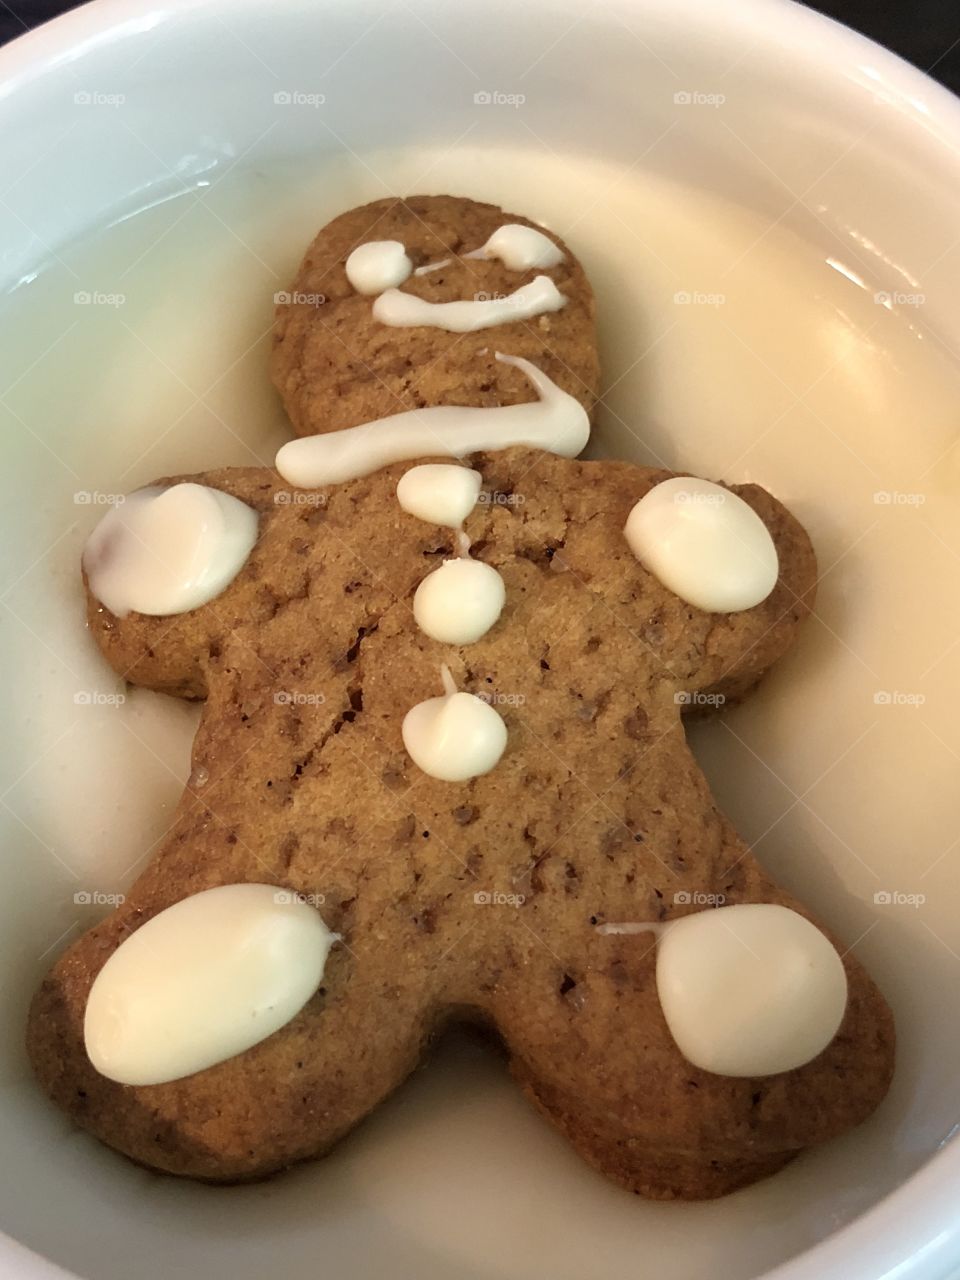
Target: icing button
x=459, y=602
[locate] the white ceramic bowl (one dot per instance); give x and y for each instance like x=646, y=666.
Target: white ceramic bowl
x=820, y=132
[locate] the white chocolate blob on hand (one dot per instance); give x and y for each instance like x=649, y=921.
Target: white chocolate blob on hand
x=519, y=248
x=705, y=544
x=202, y=981
x=405, y=310
x=456, y=737
x=167, y=551
x=378, y=265
x=439, y=492
x=555, y=422
x=749, y=990
x=459, y=602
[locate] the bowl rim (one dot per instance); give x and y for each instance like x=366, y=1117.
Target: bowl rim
x=913, y=1231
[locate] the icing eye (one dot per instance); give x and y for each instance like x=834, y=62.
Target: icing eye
x=378, y=265
x=705, y=544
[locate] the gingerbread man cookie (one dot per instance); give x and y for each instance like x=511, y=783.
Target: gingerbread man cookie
x=441, y=773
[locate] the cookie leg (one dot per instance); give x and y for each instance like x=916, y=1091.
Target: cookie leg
x=288, y=1098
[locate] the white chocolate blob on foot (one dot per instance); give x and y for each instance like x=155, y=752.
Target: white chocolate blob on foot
x=167, y=551
x=378, y=265
x=749, y=990
x=519, y=248
x=456, y=737
x=555, y=422
x=459, y=602
x=406, y=311
x=202, y=981
x=705, y=544
x=439, y=492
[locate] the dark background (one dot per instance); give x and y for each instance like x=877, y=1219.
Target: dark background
x=925, y=32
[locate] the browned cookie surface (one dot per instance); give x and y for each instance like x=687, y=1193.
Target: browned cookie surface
x=335, y=366
x=481, y=896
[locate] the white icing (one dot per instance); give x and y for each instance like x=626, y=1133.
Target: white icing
x=459, y=602
x=454, y=737
x=405, y=310
x=555, y=422
x=439, y=492
x=704, y=543
x=432, y=266
x=378, y=265
x=519, y=248
x=203, y=981
x=166, y=551
x=749, y=990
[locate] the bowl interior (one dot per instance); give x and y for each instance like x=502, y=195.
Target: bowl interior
x=767, y=210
